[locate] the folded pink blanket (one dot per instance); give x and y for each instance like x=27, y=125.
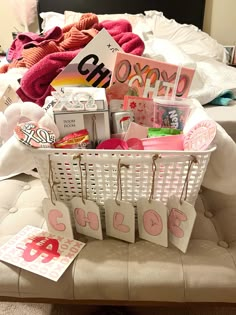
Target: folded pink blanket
x=35, y=84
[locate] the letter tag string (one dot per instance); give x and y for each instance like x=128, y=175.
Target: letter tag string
x=120, y=215
x=185, y=187
x=181, y=215
x=118, y=181
x=94, y=131
x=152, y=215
x=86, y=212
x=56, y=213
x=51, y=181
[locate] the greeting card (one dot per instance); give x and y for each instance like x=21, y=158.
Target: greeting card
x=40, y=252
x=93, y=64
x=147, y=77
x=143, y=109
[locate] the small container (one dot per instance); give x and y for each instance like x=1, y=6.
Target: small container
x=175, y=143
x=200, y=136
x=171, y=113
x=113, y=144
x=121, y=121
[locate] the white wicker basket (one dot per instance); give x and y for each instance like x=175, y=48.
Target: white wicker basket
x=99, y=173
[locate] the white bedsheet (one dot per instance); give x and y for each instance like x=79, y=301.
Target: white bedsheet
x=11, y=78
x=211, y=76
x=221, y=172
x=210, y=80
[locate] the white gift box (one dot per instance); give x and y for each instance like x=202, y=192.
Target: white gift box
x=96, y=122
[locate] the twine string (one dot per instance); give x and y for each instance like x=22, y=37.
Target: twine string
x=86, y=181
x=51, y=181
x=94, y=130
x=154, y=168
x=186, y=182
x=118, y=181
x=79, y=156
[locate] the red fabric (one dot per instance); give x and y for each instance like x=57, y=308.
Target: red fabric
x=33, y=55
x=45, y=63
x=116, y=27
x=35, y=84
x=4, y=68
x=130, y=43
x=121, y=31
x=75, y=39
x=29, y=39
x=87, y=21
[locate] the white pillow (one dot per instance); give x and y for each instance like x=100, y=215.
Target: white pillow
x=51, y=19
x=139, y=22
x=188, y=37
x=72, y=17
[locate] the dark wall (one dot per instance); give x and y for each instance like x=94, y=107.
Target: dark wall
x=183, y=11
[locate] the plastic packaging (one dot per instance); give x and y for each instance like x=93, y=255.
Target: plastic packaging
x=171, y=113
x=164, y=143
x=160, y=132
x=78, y=139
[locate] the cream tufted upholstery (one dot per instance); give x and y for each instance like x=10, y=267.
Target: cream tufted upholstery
x=114, y=270
x=225, y=116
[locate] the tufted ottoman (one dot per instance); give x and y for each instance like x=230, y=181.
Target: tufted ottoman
x=112, y=271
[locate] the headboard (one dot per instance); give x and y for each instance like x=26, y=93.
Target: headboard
x=183, y=11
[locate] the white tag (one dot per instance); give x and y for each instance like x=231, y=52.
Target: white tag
x=9, y=96
x=120, y=220
x=181, y=218
x=40, y=252
x=87, y=217
x=58, y=218
x=152, y=221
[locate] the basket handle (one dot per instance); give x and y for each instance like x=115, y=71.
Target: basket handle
x=119, y=183
x=185, y=187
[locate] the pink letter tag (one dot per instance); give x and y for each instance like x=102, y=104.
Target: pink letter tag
x=58, y=218
x=152, y=221
x=120, y=220
x=181, y=218
x=87, y=217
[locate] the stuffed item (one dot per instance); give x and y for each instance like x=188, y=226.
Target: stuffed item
x=14, y=155
x=17, y=113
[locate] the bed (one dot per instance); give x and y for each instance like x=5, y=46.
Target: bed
x=114, y=272
x=183, y=11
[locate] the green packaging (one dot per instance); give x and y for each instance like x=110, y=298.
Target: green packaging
x=160, y=132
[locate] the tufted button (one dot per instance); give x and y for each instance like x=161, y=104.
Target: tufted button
x=208, y=214
x=223, y=244
x=13, y=210
x=200, y=191
x=26, y=187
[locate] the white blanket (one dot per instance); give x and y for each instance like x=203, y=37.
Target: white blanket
x=11, y=77
x=221, y=174
x=211, y=76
